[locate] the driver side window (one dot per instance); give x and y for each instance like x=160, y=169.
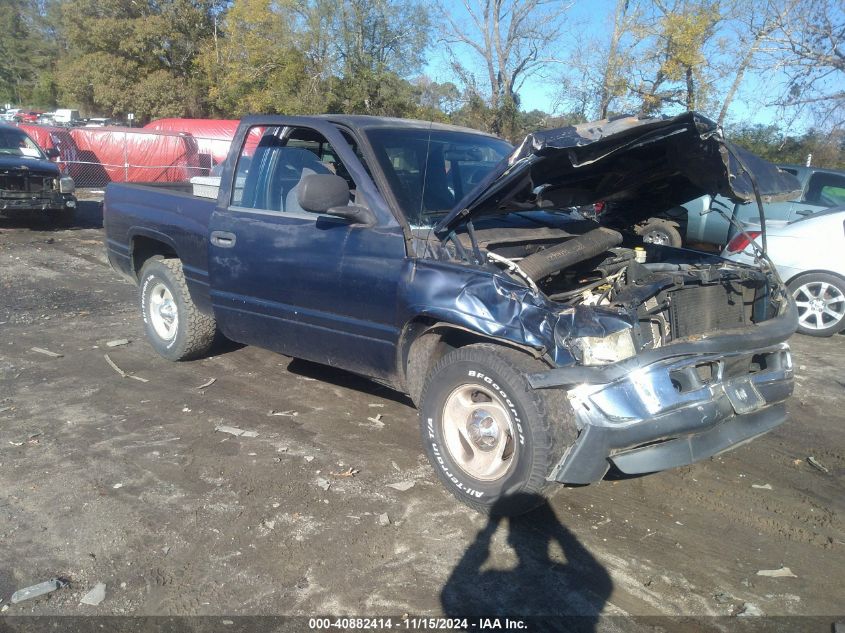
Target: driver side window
x=272, y=165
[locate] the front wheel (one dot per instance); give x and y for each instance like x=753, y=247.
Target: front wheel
x=490, y=437
x=820, y=298
x=175, y=327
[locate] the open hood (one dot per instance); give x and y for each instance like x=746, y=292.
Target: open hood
x=662, y=161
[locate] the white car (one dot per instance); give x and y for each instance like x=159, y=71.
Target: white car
x=809, y=255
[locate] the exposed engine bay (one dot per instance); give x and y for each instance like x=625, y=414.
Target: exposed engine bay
x=580, y=264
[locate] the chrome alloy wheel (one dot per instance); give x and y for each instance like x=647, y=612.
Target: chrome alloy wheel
x=820, y=305
x=478, y=432
x=163, y=312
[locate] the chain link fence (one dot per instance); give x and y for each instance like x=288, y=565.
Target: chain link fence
x=94, y=157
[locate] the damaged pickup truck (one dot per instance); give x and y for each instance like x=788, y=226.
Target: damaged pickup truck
x=30, y=184
x=539, y=347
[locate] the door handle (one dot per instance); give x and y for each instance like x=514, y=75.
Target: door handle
x=223, y=239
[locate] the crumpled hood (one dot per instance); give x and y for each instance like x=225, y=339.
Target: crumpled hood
x=35, y=166
x=663, y=162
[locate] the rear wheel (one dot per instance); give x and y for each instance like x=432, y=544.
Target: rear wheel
x=490, y=437
x=820, y=298
x=175, y=328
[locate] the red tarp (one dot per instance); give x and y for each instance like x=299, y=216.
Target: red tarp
x=133, y=155
x=49, y=137
x=213, y=136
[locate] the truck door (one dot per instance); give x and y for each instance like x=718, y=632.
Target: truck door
x=306, y=285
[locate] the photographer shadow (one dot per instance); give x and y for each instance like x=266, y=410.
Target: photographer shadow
x=572, y=593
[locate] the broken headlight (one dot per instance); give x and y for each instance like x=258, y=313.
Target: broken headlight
x=66, y=184
x=601, y=350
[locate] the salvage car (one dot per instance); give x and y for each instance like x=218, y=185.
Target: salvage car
x=30, y=184
x=538, y=346
x=809, y=254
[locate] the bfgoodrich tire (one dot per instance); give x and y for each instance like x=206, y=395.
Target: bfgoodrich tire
x=490, y=437
x=176, y=329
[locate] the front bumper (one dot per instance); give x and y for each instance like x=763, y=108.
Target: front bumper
x=672, y=406
x=11, y=203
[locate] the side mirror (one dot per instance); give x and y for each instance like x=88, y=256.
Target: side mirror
x=52, y=152
x=329, y=194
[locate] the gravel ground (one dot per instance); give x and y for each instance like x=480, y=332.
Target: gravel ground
x=116, y=480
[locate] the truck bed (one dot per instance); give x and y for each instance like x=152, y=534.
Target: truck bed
x=165, y=213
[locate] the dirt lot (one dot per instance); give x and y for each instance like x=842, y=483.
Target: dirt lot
x=107, y=478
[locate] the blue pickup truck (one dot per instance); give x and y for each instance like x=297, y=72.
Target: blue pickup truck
x=538, y=346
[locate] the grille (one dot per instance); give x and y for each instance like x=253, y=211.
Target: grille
x=19, y=183
x=701, y=309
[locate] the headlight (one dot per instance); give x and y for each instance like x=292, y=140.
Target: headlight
x=601, y=350
x=66, y=184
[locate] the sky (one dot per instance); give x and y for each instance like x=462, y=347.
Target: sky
x=592, y=17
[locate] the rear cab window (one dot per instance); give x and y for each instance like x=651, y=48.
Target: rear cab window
x=274, y=160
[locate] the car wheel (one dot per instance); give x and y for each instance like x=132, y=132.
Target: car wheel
x=820, y=298
x=660, y=232
x=490, y=437
x=175, y=327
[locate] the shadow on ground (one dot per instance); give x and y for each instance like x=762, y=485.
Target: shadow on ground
x=342, y=378
x=538, y=585
x=88, y=215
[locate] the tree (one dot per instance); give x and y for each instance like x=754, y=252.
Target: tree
x=511, y=40
x=27, y=52
x=809, y=47
x=134, y=55
x=675, y=58
x=367, y=50
x=254, y=64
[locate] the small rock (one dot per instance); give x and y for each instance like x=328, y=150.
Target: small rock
x=46, y=352
x=749, y=609
x=817, y=464
x=402, y=486
x=95, y=596
x=783, y=572
x=325, y=484
x=118, y=342
x=383, y=519
x=308, y=458
x=233, y=430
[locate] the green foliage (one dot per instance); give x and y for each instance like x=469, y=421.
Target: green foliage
x=771, y=143
x=133, y=55
x=26, y=54
x=254, y=64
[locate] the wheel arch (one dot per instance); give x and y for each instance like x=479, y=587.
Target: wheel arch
x=145, y=244
x=425, y=341
x=814, y=271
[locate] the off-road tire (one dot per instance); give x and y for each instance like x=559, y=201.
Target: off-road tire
x=670, y=235
x=543, y=420
x=812, y=278
x=195, y=331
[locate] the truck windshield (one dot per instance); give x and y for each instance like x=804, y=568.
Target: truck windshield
x=17, y=143
x=430, y=171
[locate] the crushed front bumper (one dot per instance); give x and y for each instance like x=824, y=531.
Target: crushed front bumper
x=28, y=202
x=671, y=406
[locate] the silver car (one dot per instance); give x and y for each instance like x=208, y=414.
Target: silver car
x=809, y=255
